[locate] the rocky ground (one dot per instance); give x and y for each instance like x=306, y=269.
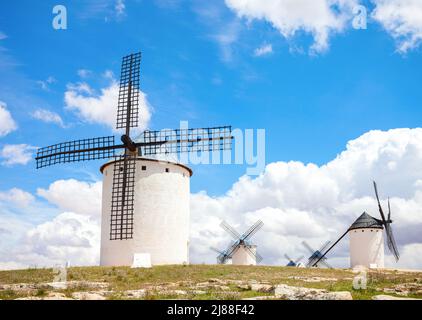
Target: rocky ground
x=208, y=282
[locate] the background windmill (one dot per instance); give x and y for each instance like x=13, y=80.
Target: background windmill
x=293, y=263
x=242, y=251
x=145, y=203
x=366, y=238
x=223, y=257
x=316, y=259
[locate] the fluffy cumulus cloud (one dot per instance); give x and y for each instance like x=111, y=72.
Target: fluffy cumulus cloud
x=16, y=196
x=73, y=235
x=100, y=108
x=296, y=202
x=319, y=18
x=402, y=19
x=16, y=154
x=7, y=124
x=74, y=196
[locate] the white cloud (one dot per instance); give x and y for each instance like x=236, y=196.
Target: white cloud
x=263, y=50
x=45, y=84
x=14, y=154
x=402, y=19
x=120, y=8
x=296, y=201
x=84, y=73
x=300, y=201
x=320, y=18
x=48, y=116
x=74, y=196
x=17, y=196
x=225, y=31
x=226, y=38
x=102, y=108
x=72, y=235
x=7, y=124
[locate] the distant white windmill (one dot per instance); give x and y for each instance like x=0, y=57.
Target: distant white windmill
x=241, y=251
x=367, y=239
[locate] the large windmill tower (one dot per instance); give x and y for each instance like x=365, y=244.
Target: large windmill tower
x=145, y=203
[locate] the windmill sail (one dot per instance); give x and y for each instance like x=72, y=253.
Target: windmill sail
x=128, y=104
x=75, y=151
x=391, y=242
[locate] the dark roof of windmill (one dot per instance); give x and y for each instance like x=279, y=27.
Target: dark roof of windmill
x=366, y=221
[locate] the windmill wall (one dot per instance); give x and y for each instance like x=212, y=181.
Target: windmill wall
x=367, y=247
x=242, y=257
x=161, y=215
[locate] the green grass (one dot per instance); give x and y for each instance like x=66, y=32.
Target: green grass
x=120, y=279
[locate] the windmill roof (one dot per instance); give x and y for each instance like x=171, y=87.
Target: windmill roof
x=366, y=221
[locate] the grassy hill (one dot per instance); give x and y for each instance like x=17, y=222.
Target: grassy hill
x=199, y=282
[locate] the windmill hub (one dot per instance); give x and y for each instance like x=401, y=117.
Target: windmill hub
x=128, y=143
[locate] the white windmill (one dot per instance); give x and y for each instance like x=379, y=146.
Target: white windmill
x=367, y=239
x=241, y=251
x=145, y=201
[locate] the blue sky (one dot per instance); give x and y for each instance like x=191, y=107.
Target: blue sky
x=310, y=105
x=200, y=64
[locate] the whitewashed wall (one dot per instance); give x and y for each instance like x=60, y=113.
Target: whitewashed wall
x=242, y=257
x=366, y=247
x=161, y=215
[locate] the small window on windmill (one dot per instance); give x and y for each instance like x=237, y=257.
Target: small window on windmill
x=144, y=168
x=167, y=170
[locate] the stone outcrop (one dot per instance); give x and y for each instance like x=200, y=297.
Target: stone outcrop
x=283, y=291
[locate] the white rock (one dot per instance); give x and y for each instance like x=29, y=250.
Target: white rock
x=135, y=294
x=56, y=296
x=299, y=293
x=87, y=296
x=262, y=287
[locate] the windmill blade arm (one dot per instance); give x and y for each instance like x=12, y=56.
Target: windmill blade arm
x=325, y=263
x=231, y=249
x=122, y=199
x=129, y=92
x=77, y=150
x=329, y=249
x=216, y=250
x=391, y=242
x=379, y=203
x=230, y=230
x=186, y=140
x=307, y=246
x=252, y=230
x=255, y=255
x=324, y=246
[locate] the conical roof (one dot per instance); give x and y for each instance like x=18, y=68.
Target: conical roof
x=366, y=221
